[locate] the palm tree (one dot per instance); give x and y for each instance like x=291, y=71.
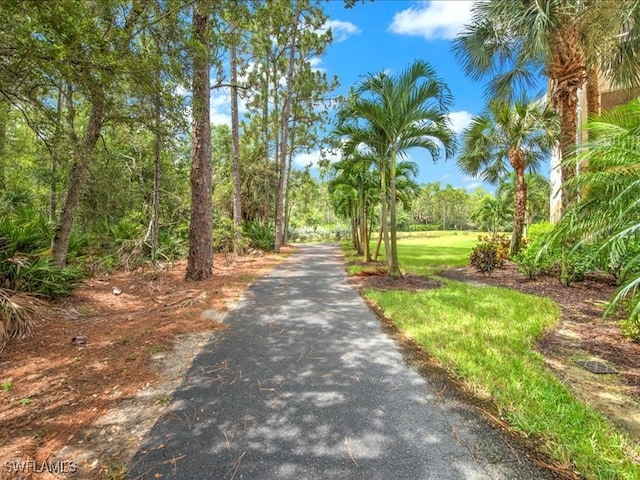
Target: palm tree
x=344, y=198
x=512, y=42
x=354, y=173
x=518, y=135
x=489, y=212
x=365, y=138
x=608, y=215
x=392, y=114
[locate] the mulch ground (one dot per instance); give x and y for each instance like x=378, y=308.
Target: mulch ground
x=94, y=350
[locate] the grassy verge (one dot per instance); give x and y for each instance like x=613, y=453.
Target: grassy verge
x=484, y=336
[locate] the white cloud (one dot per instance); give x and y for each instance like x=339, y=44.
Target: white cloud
x=460, y=120
x=471, y=183
x=220, y=108
x=312, y=158
x=219, y=99
x=472, y=186
x=442, y=19
x=182, y=91
x=315, y=62
x=340, y=30
x=220, y=119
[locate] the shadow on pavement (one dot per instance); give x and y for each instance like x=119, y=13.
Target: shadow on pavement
x=304, y=384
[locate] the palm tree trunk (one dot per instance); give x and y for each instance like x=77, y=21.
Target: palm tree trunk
x=366, y=254
x=568, y=128
x=518, y=163
x=383, y=217
x=593, y=92
x=568, y=71
x=354, y=233
x=394, y=264
x=378, y=243
x=369, y=231
x=593, y=107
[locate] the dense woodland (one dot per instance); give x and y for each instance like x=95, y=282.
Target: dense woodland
x=108, y=157
x=97, y=145
x=97, y=96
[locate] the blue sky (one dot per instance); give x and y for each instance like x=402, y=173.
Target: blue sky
x=388, y=35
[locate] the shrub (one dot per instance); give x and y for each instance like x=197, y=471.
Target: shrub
x=25, y=260
x=341, y=232
x=621, y=262
x=631, y=328
x=223, y=233
x=422, y=227
x=316, y=233
x=490, y=253
x=171, y=245
x=532, y=261
x=260, y=236
x=575, y=263
x=544, y=257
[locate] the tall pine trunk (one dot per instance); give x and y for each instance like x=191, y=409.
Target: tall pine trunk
x=287, y=206
x=77, y=179
x=284, y=138
x=200, y=260
x=155, y=215
x=55, y=158
x=266, y=206
x=235, y=140
x=277, y=133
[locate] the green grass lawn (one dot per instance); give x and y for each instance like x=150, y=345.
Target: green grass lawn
x=484, y=336
x=425, y=252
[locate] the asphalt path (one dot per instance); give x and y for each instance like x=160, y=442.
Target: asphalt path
x=305, y=384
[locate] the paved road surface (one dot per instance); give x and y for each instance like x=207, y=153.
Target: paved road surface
x=304, y=384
